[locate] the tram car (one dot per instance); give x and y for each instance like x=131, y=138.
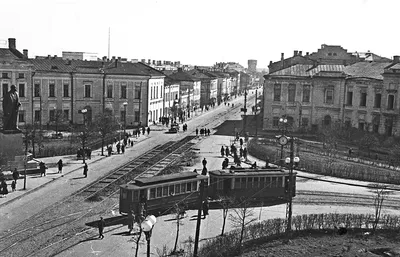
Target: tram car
x=256, y=187
x=158, y=195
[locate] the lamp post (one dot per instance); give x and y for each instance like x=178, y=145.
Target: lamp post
x=147, y=227
x=84, y=111
x=291, y=161
x=283, y=123
x=125, y=105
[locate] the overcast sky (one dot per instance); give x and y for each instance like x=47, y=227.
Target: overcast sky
x=201, y=31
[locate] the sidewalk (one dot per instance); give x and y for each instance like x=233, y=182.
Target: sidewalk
x=71, y=164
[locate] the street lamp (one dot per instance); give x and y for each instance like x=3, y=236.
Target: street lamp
x=283, y=123
x=125, y=104
x=84, y=111
x=147, y=227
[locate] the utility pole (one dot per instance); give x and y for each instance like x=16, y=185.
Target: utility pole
x=289, y=204
x=196, y=239
x=245, y=110
x=255, y=110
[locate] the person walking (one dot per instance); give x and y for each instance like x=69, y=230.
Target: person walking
x=109, y=149
x=143, y=130
x=222, y=151
x=245, y=153
x=60, y=166
x=241, y=141
x=208, y=131
x=85, y=170
x=227, y=151
x=205, y=208
x=15, y=175
x=204, y=162
x=148, y=130
x=197, y=132
x=101, y=224
x=118, y=147
x=42, y=168
x=3, y=188
x=123, y=148
x=13, y=185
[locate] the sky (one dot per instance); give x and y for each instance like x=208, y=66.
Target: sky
x=200, y=32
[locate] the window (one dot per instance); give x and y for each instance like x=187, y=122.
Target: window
x=194, y=186
x=183, y=188
x=188, y=187
x=66, y=114
x=135, y=196
x=152, y=193
x=21, y=89
x=361, y=125
x=268, y=182
x=36, y=92
x=243, y=182
x=377, y=102
x=280, y=181
x=349, y=100
x=21, y=116
x=329, y=96
x=177, y=189
x=273, y=182
x=52, y=90
x=363, y=99
x=304, y=122
x=165, y=191
x=21, y=75
x=256, y=182
x=220, y=184
x=277, y=92
x=4, y=75
x=137, y=92
x=87, y=91
x=109, y=91
x=37, y=115
x=123, y=116
x=66, y=90
x=123, y=91
x=137, y=116
x=159, y=192
x=151, y=93
x=275, y=121
x=52, y=115
x=375, y=128
x=390, y=105
x=249, y=183
x=237, y=183
x=5, y=88
x=262, y=182
x=347, y=123
x=124, y=194
x=306, y=94
x=291, y=93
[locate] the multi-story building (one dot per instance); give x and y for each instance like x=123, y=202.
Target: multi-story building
x=171, y=98
x=252, y=66
x=362, y=95
x=208, y=88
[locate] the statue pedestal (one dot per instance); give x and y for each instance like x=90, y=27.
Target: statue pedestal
x=11, y=145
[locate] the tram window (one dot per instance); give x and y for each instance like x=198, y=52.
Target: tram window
x=183, y=188
x=273, y=183
x=268, y=182
x=220, y=184
x=243, y=182
x=159, y=191
x=177, y=189
x=152, y=193
x=256, y=182
x=262, y=181
x=188, y=187
x=135, y=196
x=249, y=182
x=279, y=182
x=194, y=186
x=124, y=194
x=237, y=182
x=165, y=191
x=171, y=190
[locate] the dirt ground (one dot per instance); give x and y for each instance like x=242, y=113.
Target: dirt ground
x=352, y=244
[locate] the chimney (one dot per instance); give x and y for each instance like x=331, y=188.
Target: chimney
x=396, y=59
x=119, y=58
x=116, y=62
x=25, y=51
x=11, y=43
x=113, y=58
x=270, y=62
x=307, y=53
x=282, y=56
x=301, y=53
x=149, y=61
x=295, y=53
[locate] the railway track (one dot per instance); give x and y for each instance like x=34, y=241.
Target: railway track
x=59, y=226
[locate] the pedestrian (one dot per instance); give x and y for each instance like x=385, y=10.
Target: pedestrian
x=13, y=185
x=123, y=148
x=204, y=162
x=15, y=175
x=197, y=132
x=118, y=147
x=60, y=166
x=227, y=151
x=143, y=130
x=205, y=208
x=42, y=168
x=241, y=152
x=85, y=170
x=148, y=130
x=109, y=149
x=130, y=221
x=241, y=141
x=208, y=131
x=101, y=224
x=267, y=163
x=132, y=143
x=222, y=151
x=204, y=171
x=3, y=188
x=245, y=153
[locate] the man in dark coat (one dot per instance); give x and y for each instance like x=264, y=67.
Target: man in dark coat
x=15, y=175
x=85, y=170
x=204, y=162
x=148, y=130
x=101, y=224
x=10, y=109
x=42, y=167
x=60, y=166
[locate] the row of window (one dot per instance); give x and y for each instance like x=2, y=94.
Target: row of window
x=7, y=75
x=377, y=100
x=21, y=89
x=54, y=115
x=154, y=92
x=251, y=182
x=171, y=96
x=292, y=93
x=176, y=189
x=123, y=92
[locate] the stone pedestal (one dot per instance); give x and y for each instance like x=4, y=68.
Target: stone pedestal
x=11, y=145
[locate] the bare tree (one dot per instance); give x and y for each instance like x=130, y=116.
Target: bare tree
x=367, y=142
x=225, y=202
x=104, y=124
x=137, y=239
x=58, y=119
x=242, y=217
x=178, y=211
x=380, y=191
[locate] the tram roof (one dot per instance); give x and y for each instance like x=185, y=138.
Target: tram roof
x=251, y=172
x=166, y=178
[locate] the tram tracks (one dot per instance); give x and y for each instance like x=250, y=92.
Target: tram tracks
x=55, y=227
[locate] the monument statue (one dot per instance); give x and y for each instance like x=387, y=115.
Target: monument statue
x=10, y=111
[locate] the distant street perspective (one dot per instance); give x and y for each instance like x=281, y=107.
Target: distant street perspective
x=199, y=129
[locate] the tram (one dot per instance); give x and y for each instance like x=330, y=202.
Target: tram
x=159, y=194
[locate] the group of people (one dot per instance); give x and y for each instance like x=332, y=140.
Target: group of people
x=184, y=127
x=4, y=186
x=203, y=131
x=87, y=151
